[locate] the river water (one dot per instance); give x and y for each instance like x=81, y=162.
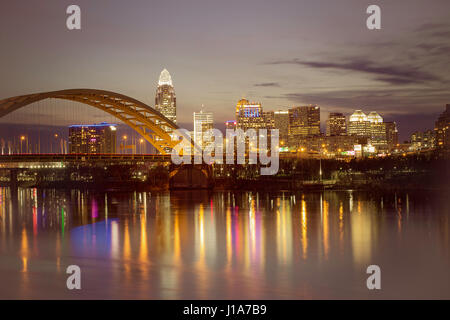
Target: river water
x=223, y=245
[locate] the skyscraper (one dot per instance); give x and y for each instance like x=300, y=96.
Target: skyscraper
x=93, y=138
x=203, y=121
x=269, y=119
x=336, y=124
x=304, y=121
x=374, y=128
x=165, y=100
x=442, y=129
x=359, y=124
x=249, y=115
x=281, y=122
x=391, y=135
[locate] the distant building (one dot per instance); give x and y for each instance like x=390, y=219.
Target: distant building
x=378, y=133
x=441, y=129
x=359, y=124
x=269, y=119
x=304, y=121
x=94, y=138
x=336, y=124
x=391, y=135
x=373, y=127
x=374, y=117
x=249, y=115
x=342, y=144
x=281, y=122
x=203, y=122
x=230, y=124
x=423, y=140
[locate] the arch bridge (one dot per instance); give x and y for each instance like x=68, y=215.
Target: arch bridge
x=149, y=123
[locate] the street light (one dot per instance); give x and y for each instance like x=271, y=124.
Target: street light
x=22, y=138
x=123, y=144
x=141, y=141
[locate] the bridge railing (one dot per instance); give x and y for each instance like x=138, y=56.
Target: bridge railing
x=82, y=157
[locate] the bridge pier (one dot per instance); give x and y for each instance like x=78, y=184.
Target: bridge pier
x=191, y=176
x=13, y=183
x=14, y=187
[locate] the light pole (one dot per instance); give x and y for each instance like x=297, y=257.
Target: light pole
x=56, y=144
x=320, y=169
x=124, y=141
x=141, y=141
x=22, y=138
x=320, y=161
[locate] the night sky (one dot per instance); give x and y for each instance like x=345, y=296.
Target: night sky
x=279, y=52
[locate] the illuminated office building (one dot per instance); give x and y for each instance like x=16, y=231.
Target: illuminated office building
x=281, y=122
x=165, y=100
x=336, y=124
x=304, y=121
x=203, y=122
x=378, y=136
x=378, y=131
x=249, y=115
x=94, y=138
x=441, y=129
x=382, y=135
x=269, y=119
x=423, y=140
x=359, y=124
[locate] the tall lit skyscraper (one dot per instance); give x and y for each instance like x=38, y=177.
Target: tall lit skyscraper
x=304, y=121
x=378, y=133
x=249, y=115
x=281, y=122
x=374, y=128
x=442, y=129
x=165, y=100
x=359, y=124
x=336, y=124
x=203, y=121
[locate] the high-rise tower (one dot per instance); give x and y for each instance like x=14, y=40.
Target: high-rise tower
x=336, y=124
x=165, y=100
x=203, y=122
x=442, y=129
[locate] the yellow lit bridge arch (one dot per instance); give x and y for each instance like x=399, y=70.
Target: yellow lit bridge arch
x=145, y=120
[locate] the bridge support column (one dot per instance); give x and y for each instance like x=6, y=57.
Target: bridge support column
x=13, y=178
x=13, y=186
x=191, y=177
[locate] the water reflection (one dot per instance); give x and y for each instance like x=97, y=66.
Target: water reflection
x=221, y=245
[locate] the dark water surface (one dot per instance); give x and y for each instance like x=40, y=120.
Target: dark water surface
x=223, y=245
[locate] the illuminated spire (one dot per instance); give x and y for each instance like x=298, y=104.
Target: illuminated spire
x=165, y=78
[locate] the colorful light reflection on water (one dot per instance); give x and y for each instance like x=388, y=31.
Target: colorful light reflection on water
x=225, y=245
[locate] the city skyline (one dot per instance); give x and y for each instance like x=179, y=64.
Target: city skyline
x=210, y=152
x=398, y=71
